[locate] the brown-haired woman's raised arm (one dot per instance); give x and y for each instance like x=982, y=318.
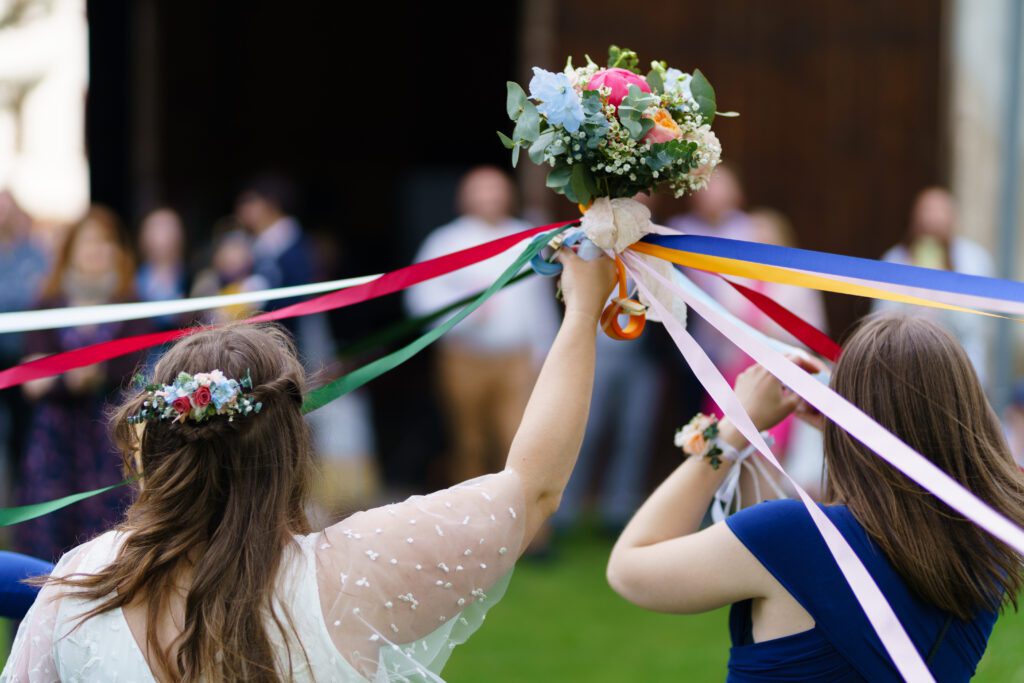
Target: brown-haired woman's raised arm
x=548, y=441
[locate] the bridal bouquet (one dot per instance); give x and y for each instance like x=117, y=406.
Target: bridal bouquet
x=613, y=132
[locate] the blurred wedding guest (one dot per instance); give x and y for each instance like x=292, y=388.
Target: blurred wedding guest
x=161, y=275
x=23, y=264
x=230, y=272
x=932, y=242
x=717, y=210
x=617, y=446
x=488, y=362
x=69, y=449
x=283, y=256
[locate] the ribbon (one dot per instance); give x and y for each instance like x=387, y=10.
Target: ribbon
x=860, y=426
x=333, y=390
x=54, y=318
x=808, y=334
x=846, y=266
x=23, y=513
x=785, y=276
x=894, y=638
x=388, y=283
x=357, y=378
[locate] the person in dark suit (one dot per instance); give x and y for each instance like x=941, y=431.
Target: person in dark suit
x=283, y=256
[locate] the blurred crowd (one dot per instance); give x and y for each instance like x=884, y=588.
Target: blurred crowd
x=53, y=438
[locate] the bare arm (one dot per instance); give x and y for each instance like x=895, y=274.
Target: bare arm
x=548, y=441
x=663, y=561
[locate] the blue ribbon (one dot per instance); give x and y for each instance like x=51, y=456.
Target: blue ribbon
x=542, y=266
x=847, y=266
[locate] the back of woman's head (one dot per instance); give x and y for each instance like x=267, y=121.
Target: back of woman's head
x=218, y=503
x=915, y=380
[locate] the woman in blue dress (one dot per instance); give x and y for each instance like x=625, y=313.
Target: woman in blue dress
x=793, y=616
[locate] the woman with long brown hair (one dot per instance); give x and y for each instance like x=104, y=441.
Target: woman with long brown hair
x=793, y=615
x=68, y=448
x=215, y=573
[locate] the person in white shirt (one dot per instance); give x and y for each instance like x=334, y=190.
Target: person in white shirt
x=932, y=242
x=487, y=364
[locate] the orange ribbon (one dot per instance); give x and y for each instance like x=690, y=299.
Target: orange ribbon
x=623, y=305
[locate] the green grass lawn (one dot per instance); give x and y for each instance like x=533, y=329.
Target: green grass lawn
x=560, y=621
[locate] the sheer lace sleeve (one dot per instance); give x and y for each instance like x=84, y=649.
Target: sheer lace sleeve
x=32, y=657
x=402, y=585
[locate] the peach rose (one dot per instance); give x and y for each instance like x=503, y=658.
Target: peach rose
x=695, y=443
x=665, y=127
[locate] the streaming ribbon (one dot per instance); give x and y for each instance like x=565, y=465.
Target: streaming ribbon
x=333, y=390
x=388, y=283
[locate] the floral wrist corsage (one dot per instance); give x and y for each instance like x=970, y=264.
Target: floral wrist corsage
x=699, y=437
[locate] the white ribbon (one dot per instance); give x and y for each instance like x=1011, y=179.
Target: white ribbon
x=729, y=497
x=53, y=318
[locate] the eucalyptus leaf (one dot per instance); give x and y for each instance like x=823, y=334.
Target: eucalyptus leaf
x=589, y=181
x=578, y=183
x=557, y=147
x=528, y=125
x=515, y=154
x=506, y=140
x=656, y=80
x=540, y=145
x=515, y=101
x=704, y=95
x=559, y=176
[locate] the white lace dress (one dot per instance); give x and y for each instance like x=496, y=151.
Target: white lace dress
x=383, y=596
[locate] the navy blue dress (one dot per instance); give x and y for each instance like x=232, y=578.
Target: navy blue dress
x=842, y=646
x=16, y=597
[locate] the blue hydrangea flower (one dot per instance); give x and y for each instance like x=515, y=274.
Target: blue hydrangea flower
x=221, y=393
x=678, y=82
x=558, y=101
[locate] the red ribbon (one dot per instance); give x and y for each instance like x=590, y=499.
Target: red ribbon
x=808, y=334
x=389, y=283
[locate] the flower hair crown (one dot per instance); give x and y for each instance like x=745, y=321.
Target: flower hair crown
x=199, y=397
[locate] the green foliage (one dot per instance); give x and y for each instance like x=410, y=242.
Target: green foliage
x=559, y=177
x=656, y=77
x=540, y=146
x=623, y=58
x=631, y=111
x=516, y=100
x=704, y=95
x=528, y=124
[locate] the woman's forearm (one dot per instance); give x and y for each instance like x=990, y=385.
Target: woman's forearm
x=548, y=441
x=678, y=506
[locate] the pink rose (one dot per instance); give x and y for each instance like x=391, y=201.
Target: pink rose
x=619, y=81
x=182, y=405
x=665, y=127
x=201, y=397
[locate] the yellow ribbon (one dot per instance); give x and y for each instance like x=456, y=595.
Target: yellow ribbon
x=786, y=276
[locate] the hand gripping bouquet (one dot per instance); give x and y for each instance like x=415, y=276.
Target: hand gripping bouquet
x=609, y=134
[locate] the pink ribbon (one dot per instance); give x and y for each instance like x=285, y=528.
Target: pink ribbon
x=879, y=613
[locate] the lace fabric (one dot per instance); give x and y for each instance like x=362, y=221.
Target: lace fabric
x=383, y=596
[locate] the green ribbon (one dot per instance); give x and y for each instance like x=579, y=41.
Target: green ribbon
x=406, y=327
x=333, y=390
x=357, y=378
x=23, y=513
